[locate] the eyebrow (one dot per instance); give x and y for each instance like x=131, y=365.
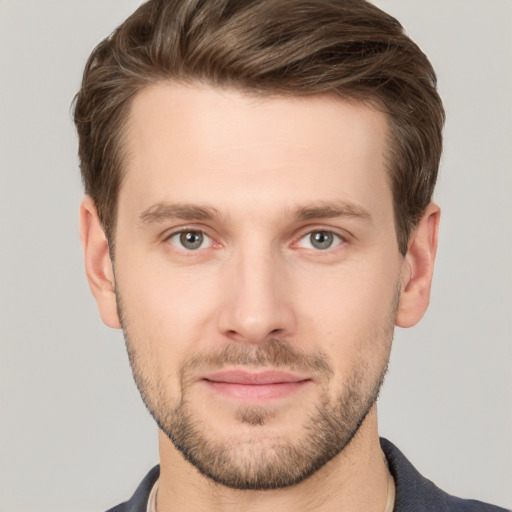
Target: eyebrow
x=332, y=210
x=160, y=212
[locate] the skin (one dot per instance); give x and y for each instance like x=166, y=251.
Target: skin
x=269, y=172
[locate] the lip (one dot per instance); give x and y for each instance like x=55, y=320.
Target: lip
x=258, y=378
x=255, y=386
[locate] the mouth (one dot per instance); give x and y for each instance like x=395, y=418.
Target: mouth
x=255, y=386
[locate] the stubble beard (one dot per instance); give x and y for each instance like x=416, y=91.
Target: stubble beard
x=258, y=462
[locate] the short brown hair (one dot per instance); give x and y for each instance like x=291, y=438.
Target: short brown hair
x=347, y=48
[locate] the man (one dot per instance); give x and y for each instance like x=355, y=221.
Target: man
x=258, y=219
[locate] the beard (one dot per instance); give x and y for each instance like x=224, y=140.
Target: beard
x=259, y=461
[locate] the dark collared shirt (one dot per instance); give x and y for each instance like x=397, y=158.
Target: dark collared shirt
x=414, y=493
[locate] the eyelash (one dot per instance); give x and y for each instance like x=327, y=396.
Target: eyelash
x=187, y=231
x=333, y=239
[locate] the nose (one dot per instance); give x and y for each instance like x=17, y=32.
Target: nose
x=256, y=298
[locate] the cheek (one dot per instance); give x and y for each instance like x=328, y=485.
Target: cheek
x=164, y=310
x=349, y=312
x=353, y=296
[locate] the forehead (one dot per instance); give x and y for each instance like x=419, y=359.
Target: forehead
x=197, y=142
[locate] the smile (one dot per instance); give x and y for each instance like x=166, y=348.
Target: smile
x=255, y=386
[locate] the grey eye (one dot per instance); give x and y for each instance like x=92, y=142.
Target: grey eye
x=321, y=239
x=191, y=239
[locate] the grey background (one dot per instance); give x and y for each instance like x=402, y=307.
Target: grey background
x=74, y=435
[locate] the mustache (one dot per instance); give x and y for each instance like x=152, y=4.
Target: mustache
x=275, y=353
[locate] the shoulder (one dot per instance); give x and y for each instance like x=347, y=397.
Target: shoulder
x=415, y=493
x=138, y=502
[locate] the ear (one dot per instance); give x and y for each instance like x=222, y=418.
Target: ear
x=98, y=265
x=417, y=268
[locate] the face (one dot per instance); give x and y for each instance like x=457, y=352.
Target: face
x=257, y=275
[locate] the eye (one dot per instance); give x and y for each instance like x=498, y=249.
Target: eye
x=320, y=240
x=190, y=240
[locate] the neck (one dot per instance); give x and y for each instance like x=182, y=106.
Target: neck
x=354, y=480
